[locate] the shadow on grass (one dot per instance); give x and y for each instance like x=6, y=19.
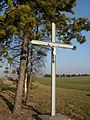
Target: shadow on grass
x=87, y=94
x=8, y=88
x=9, y=94
x=30, y=107
x=10, y=91
x=9, y=104
x=35, y=110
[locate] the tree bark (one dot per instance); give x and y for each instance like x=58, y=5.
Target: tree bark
x=29, y=80
x=25, y=86
x=28, y=87
x=22, y=68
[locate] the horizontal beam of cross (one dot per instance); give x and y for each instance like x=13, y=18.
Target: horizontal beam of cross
x=52, y=44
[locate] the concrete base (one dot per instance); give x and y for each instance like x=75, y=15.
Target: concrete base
x=57, y=117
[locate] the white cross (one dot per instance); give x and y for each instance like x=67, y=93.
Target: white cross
x=53, y=45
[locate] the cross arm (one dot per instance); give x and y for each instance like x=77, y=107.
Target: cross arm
x=52, y=44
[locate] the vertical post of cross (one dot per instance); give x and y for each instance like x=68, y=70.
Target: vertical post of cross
x=53, y=73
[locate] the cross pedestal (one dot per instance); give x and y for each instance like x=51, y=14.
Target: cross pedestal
x=53, y=45
x=56, y=117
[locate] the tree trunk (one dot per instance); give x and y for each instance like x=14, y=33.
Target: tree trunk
x=19, y=91
x=28, y=87
x=25, y=86
x=29, y=80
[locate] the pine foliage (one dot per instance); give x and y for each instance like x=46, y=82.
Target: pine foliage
x=34, y=17
x=24, y=16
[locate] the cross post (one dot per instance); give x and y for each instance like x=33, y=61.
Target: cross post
x=53, y=46
x=53, y=73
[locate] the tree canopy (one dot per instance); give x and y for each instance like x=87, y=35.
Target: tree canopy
x=24, y=16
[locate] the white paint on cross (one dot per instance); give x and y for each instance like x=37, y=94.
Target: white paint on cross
x=53, y=45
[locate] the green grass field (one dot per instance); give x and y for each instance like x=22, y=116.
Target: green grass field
x=72, y=95
x=80, y=83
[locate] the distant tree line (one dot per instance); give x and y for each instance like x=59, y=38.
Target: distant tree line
x=67, y=75
x=49, y=75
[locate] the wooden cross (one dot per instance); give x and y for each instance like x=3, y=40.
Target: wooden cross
x=53, y=45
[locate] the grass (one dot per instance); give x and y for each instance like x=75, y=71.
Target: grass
x=80, y=83
x=73, y=96
x=72, y=99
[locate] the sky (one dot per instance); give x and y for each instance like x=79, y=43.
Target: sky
x=77, y=61
x=67, y=60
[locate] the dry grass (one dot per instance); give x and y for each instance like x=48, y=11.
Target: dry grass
x=73, y=96
x=72, y=102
